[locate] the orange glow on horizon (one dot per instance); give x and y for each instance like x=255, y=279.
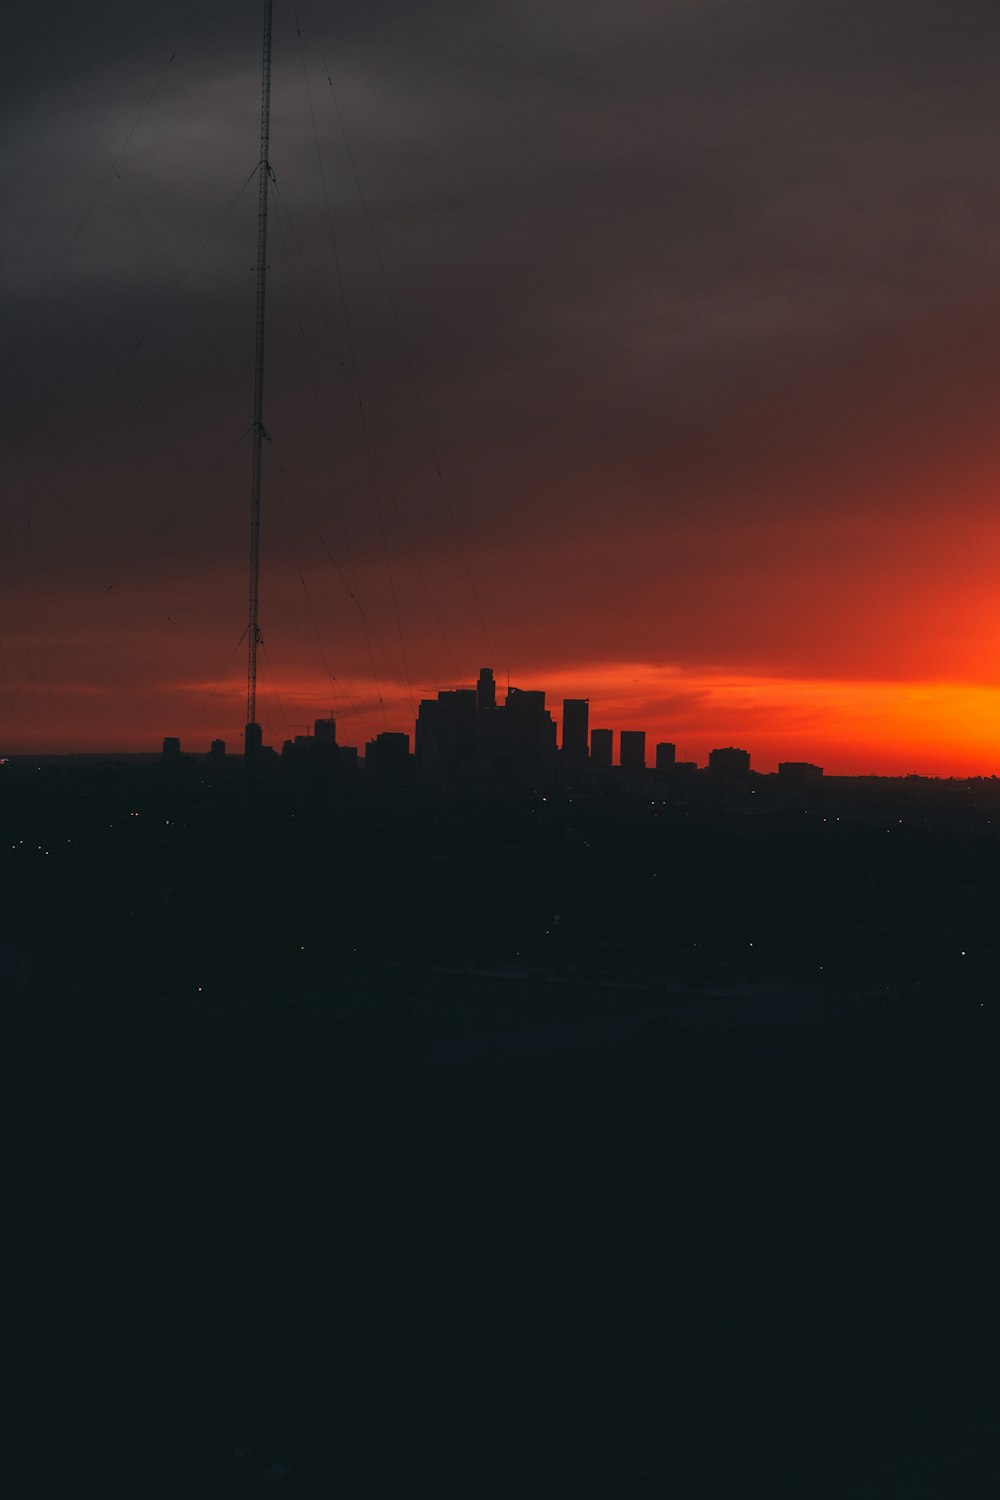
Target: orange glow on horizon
x=849, y=727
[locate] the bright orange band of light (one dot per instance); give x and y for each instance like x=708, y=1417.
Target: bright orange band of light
x=848, y=727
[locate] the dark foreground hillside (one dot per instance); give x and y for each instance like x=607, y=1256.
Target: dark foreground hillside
x=284, y=1260
x=485, y=1208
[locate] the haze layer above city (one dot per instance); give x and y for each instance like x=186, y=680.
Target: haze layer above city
x=674, y=332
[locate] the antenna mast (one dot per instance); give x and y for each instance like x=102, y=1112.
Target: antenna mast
x=252, y=738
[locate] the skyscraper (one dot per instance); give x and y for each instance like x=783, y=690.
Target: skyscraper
x=633, y=750
x=575, y=724
x=446, y=730
x=601, y=747
x=524, y=725
x=486, y=689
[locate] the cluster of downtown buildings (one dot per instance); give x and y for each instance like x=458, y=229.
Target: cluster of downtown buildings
x=465, y=735
x=464, y=725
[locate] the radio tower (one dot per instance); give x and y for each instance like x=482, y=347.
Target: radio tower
x=252, y=736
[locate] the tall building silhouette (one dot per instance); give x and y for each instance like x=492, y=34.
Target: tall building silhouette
x=575, y=726
x=523, y=728
x=446, y=731
x=632, y=756
x=486, y=689
x=601, y=748
x=666, y=756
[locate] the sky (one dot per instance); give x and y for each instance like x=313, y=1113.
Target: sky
x=646, y=352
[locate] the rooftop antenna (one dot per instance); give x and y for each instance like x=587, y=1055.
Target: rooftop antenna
x=252, y=737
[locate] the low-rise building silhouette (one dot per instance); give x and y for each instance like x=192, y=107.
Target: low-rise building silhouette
x=730, y=763
x=799, y=772
x=387, y=758
x=317, y=750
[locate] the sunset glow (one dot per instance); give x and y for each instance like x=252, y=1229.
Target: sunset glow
x=848, y=727
x=688, y=407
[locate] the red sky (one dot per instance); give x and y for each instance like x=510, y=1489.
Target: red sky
x=679, y=390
